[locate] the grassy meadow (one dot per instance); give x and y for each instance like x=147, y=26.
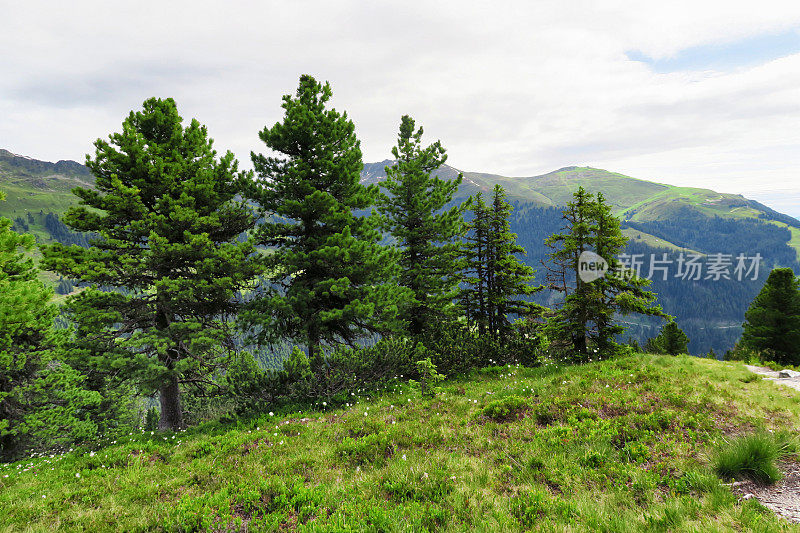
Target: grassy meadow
x=620, y=445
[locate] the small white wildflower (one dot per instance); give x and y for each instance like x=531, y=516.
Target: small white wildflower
x=77, y=474
x=271, y=413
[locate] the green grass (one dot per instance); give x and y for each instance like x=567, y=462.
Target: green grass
x=621, y=445
x=753, y=457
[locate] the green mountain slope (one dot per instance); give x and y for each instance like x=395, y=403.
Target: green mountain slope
x=620, y=445
x=33, y=186
x=633, y=199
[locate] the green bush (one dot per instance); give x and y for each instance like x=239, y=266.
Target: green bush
x=753, y=457
x=505, y=409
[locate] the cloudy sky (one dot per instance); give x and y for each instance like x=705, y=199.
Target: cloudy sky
x=695, y=93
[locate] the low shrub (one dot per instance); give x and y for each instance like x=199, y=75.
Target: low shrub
x=373, y=450
x=505, y=409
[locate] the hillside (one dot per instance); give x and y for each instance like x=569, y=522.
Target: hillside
x=620, y=445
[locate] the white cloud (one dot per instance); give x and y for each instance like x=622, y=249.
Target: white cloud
x=515, y=87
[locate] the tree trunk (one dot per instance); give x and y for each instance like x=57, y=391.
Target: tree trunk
x=171, y=410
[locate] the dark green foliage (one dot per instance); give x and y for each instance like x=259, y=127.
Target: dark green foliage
x=586, y=320
x=772, y=323
x=61, y=233
x=415, y=215
x=505, y=409
x=334, y=281
x=151, y=420
x=753, y=457
x=298, y=382
x=457, y=349
x=672, y=340
x=42, y=399
x=496, y=280
x=167, y=220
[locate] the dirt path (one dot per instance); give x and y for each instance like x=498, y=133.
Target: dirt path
x=783, y=498
x=769, y=374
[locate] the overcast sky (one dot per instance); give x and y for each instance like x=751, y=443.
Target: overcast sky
x=695, y=93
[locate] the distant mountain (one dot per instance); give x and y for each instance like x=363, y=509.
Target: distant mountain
x=39, y=187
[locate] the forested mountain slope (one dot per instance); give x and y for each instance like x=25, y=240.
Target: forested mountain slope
x=657, y=218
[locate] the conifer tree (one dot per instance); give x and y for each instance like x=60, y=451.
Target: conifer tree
x=334, y=281
x=415, y=214
x=42, y=400
x=672, y=340
x=474, y=298
x=587, y=315
x=167, y=256
x=571, y=322
x=496, y=279
x=772, y=322
x=620, y=292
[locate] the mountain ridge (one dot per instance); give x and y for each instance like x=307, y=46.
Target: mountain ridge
x=38, y=186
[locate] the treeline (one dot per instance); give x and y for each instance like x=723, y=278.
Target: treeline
x=198, y=270
x=57, y=230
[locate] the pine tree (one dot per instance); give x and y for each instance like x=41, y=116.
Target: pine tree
x=167, y=255
x=474, y=298
x=42, y=400
x=672, y=340
x=620, y=292
x=571, y=323
x=496, y=279
x=772, y=322
x=335, y=282
x=415, y=214
x=587, y=315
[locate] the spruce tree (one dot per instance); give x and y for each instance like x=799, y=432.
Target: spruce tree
x=619, y=293
x=569, y=326
x=496, y=279
x=474, y=297
x=415, y=215
x=333, y=280
x=42, y=399
x=509, y=280
x=587, y=315
x=167, y=261
x=772, y=322
x=672, y=340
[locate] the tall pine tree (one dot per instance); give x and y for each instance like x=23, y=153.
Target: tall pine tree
x=772, y=322
x=167, y=256
x=415, y=214
x=334, y=282
x=496, y=280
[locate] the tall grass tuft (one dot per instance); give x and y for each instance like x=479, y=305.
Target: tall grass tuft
x=753, y=457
